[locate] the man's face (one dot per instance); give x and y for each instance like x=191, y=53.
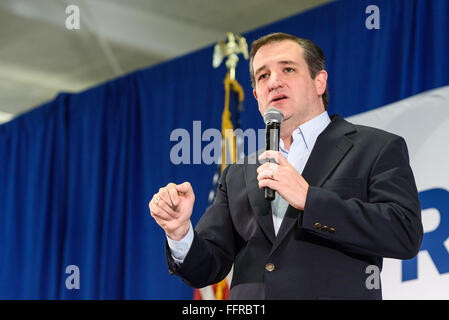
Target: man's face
x=283, y=81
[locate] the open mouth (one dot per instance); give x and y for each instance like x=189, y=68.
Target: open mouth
x=279, y=98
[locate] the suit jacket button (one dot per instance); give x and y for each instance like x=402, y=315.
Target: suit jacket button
x=324, y=228
x=331, y=230
x=317, y=225
x=269, y=267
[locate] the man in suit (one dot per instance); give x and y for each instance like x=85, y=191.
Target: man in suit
x=346, y=196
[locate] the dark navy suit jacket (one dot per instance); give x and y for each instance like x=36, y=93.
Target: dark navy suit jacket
x=362, y=205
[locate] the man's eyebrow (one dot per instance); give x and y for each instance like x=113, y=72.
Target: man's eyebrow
x=282, y=62
x=287, y=62
x=260, y=69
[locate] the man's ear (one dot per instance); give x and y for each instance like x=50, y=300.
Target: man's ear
x=320, y=82
x=254, y=93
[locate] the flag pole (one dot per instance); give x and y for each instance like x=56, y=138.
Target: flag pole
x=228, y=48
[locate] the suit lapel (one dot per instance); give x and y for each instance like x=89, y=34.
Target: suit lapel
x=330, y=148
x=261, y=207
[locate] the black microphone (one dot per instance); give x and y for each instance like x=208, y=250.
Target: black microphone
x=273, y=118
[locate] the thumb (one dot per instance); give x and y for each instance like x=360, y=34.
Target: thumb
x=185, y=188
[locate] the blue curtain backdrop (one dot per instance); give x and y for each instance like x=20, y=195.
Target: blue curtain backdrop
x=78, y=172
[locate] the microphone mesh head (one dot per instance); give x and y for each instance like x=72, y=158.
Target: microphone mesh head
x=273, y=115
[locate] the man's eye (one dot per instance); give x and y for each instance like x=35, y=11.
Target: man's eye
x=263, y=76
x=288, y=69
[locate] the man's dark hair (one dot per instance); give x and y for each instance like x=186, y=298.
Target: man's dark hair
x=313, y=55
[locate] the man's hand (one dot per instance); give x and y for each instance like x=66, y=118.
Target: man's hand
x=283, y=178
x=172, y=207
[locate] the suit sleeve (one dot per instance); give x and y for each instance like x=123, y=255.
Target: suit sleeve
x=388, y=224
x=212, y=252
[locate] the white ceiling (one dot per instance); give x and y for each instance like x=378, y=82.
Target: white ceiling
x=40, y=57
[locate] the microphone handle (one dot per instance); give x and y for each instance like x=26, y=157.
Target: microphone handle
x=271, y=143
x=270, y=194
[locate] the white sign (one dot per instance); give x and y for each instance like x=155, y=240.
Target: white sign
x=423, y=121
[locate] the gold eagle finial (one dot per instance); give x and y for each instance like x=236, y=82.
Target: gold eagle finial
x=230, y=47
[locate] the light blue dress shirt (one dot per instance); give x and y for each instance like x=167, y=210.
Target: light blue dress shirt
x=304, y=138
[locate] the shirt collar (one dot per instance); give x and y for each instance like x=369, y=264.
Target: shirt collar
x=309, y=131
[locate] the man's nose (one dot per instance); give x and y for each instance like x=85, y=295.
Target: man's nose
x=275, y=81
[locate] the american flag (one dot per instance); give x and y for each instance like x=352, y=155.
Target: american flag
x=231, y=144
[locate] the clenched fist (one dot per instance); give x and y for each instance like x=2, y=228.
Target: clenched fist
x=172, y=207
